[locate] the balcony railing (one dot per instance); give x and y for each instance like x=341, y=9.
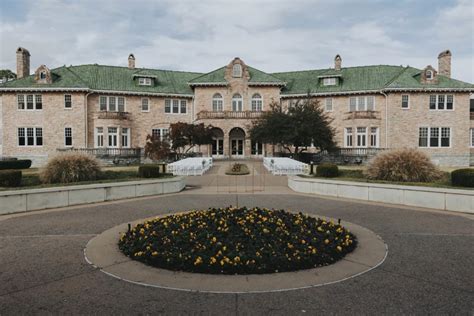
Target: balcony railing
x=107, y=152
x=362, y=115
x=108, y=115
x=206, y=115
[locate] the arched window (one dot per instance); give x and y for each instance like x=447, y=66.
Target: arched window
x=429, y=75
x=237, y=103
x=237, y=70
x=43, y=75
x=217, y=103
x=257, y=102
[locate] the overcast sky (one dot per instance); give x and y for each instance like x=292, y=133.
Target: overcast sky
x=271, y=35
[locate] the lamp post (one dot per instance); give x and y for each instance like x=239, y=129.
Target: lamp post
x=311, y=167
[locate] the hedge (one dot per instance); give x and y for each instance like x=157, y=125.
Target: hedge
x=10, y=178
x=15, y=164
x=327, y=170
x=149, y=171
x=463, y=177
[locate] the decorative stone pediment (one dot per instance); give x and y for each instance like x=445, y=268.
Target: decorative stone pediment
x=236, y=70
x=43, y=75
x=429, y=75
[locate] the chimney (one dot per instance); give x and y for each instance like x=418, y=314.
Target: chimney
x=337, y=62
x=22, y=62
x=444, y=63
x=131, y=61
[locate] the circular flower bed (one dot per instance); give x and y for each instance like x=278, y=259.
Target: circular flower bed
x=237, y=241
x=238, y=169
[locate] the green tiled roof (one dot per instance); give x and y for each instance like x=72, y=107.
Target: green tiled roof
x=352, y=79
x=256, y=76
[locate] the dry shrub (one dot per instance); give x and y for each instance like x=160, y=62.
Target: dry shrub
x=403, y=165
x=71, y=167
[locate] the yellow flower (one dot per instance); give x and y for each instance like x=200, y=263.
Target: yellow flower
x=339, y=248
x=213, y=260
x=214, y=239
x=313, y=251
x=326, y=241
x=237, y=259
x=303, y=241
x=154, y=253
x=198, y=261
x=266, y=231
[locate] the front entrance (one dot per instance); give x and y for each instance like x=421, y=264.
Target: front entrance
x=237, y=141
x=217, y=146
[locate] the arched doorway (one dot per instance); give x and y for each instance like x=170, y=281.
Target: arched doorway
x=237, y=142
x=217, y=146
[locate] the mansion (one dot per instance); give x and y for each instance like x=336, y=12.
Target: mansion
x=98, y=106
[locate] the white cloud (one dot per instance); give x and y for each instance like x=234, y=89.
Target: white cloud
x=203, y=35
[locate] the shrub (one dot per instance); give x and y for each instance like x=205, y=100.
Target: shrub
x=15, y=164
x=403, y=165
x=71, y=167
x=463, y=177
x=327, y=170
x=10, y=178
x=149, y=171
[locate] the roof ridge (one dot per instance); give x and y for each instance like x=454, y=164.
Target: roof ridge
x=138, y=68
x=207, y=73
x=76, y=75
x=326, y=69
x=395, y=77
x=266, y=73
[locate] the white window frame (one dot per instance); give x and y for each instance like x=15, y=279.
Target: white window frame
x=178, y=103
x=355, y=102
x=115, y=102
x=256, y=102
x=328, y=104
x=66, y=97
x=408, y=102
x=66, y=136
x=348, y=137
x=35, y=136
x=116, y=134
x=237, y=103
x=429, y=74
x=34, y=98
x=363, y=137
x=471, y=139
x=374, y=136
x=144, y=81
x=332, y=81
x=444, y=103
x=125, y=135
x=237, y=71
x=162, y=132
x=439, y=136
x=147, y=104
x=217, y=102
x=97, y=143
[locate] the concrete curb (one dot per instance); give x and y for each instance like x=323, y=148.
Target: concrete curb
x=102, y=252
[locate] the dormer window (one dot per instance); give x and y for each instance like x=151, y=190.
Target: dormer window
x=237, y=71
x=42, y=75
x=329, y=81
x=429, y=75
x=144, y=81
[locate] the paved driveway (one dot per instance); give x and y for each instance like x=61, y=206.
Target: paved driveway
x=428, y=268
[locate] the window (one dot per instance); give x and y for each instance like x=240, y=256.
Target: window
x=441, y=102
x=237, y=71
x=374, y=137
x=405, y=101
x=33, y=101
x=142, y=81
x=361, y=136
x=99, y=137
x=217, y=103
x=348, y=137
x=43, y=75
x=363, y=103
x=68, y=136
x=30, y=136
x=472, y=137
x=112, y=104
x=125, y=137
x=67, y=101
x=145, y=107
x=175, y=106
x=434, y=137
x=328, y=104
x=237, y=103
x=161, y=133
x=257, y=102
x=112, y=136
x=329, y=81
x=429, y=75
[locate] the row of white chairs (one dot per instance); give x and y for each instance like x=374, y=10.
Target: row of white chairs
x=284, y=166
x=190, y=166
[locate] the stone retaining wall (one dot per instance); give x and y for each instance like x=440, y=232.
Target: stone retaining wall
x=37, y=199
x=435, y=198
